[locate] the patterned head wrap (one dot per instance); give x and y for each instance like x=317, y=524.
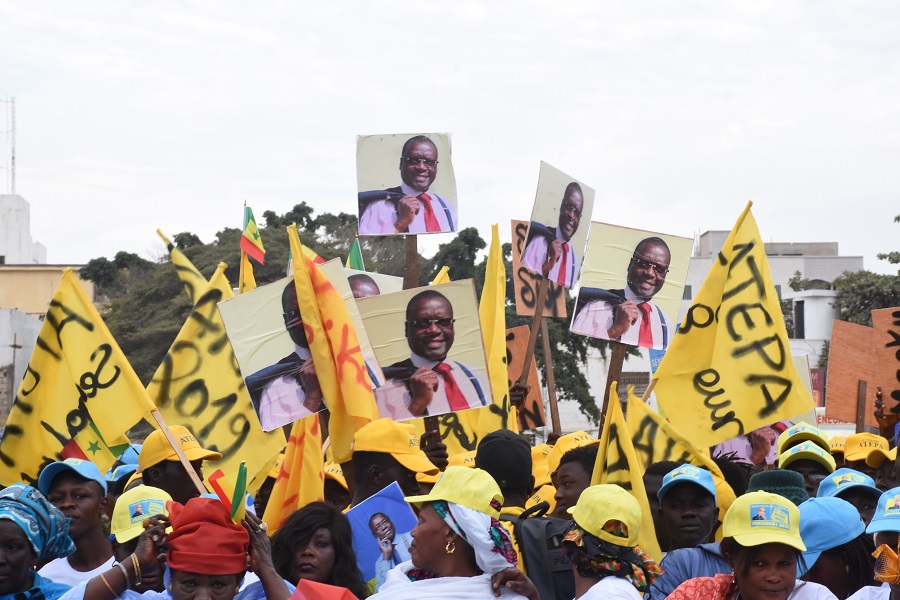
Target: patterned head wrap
x=493, y=548
x=46, y=528
x=594, y=557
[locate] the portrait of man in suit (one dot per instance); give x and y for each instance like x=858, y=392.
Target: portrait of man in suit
x=549, y=250
x=413, y=206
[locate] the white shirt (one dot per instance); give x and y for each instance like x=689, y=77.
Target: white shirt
x=393, y=398
x=871, y=592
x=535, y=256
x=281, y=401
x=60, y=571
x=611, y=587
x=597, y=317
x=380, y=216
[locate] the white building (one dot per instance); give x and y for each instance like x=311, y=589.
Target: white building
x=16, y=245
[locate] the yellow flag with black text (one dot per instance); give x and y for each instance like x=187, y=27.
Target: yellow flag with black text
x=729, y=369
x=617, y=463
x=199, y=385
x=78, y=394
x=191, y=278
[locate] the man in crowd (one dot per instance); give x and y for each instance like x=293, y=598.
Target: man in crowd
x=288, y=390
x=161, y=468
x=549, y=251
x=77, y=488
x=629, y=315
x=412, y=207
x=688, y=509
x=428, y=383
x=811, y=461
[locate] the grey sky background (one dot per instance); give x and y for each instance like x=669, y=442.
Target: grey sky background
x=133, y=116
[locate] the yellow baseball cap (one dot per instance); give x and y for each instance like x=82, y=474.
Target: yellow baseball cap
x=539, y=464
x=566, y=443
x=156, y=448
x=837, y=444
x=806, y=450
x=400, y=440
x=335, y=472
x=472, y=488
x=463, y=459
x=133, y=507
x=869, y=447
x=606, y=502
x=758, y=518
x=802, y=432
x=545, y=493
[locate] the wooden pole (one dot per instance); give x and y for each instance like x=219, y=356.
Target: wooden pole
x=861, y=406
x=551, y=382
x=543, y=285
x=176, y=446
x=614, y=373
x=648, y=391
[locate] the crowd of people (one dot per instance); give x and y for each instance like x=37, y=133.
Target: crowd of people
x=507, y=520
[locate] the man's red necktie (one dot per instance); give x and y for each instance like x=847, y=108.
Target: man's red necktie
x=561, y=275
x=454, y=394
x=431, y=222
x=646, y=337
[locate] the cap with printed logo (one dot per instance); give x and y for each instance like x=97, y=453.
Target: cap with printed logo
x=157, y=448
x=472, y=488
x=600, y=504
x=539, y=470
x=868, y=447
x=887, y=513
x=802, y=432
x=837, y=444
x=334, y=472
x=568, y=442
x=758, y=518
x=84, y=468
x=808, y=451
x=133, y=507
x=462, y=459
x=687, y=474
x=400, y=440
x=845, y=479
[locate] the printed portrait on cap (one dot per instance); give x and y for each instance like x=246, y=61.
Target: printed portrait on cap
x=405, y=184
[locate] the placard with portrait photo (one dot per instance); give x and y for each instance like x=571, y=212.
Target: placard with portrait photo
x=554, y=246
x=429, y=345
x=405, y=184
x=631, y=286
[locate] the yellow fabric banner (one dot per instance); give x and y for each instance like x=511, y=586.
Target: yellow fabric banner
x=199, y=385
x=335, y=350
x=729, y=369
x=617, y=463
x=78, y=391
x=191, y=278
x=443, y=276
x=246, y=279
x=301, y=479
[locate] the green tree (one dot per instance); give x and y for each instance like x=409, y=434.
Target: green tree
x=892, y=257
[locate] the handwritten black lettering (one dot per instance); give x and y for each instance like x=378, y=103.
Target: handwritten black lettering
x=703, y=382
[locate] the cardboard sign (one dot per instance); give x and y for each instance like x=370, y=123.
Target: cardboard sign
x=526, y=282
x=886, y=323
x=531, y=413
x=851, y=358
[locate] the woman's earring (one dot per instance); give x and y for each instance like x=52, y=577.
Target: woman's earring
x=450, y=548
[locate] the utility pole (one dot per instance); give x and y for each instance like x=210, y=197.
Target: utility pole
x=12, y=166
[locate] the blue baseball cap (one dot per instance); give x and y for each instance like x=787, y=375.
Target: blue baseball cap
x=84, y=468
x=119, y=472
x=130, y=456
x=844, y=479
x=887, y=513
x=827, y=523
x=687, y=474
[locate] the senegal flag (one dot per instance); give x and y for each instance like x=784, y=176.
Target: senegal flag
x=251, y=243
x=354, y=258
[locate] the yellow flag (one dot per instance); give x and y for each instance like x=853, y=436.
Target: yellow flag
x=199, y=385
x=729, y=369
x=301, y=478
x=191, y=278
x=443, y=276
x=618, y=464
x=78, y=391
x=246, y=279
x=335, y=350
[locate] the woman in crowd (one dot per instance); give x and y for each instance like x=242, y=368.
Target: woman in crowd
x=316, y=544
x=838, y=557
x=207, y=558
x=31, y=530
x=762, y=545
x=457, y=544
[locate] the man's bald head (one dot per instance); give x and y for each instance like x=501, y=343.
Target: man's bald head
x=363, y=286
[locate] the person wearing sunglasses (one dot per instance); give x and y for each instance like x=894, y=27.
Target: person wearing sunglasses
x=629, y=315
x=412, y=207
x=288, y=390
x=428, y=383
x=549, y=251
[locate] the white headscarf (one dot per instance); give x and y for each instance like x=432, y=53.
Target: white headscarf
x=493, y=548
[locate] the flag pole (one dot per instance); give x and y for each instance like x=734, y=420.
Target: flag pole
x=178, y=451
x=613, y=374
x=543, y=285
x=551, y=381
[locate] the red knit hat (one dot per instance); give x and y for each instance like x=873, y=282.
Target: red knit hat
x=204, y=540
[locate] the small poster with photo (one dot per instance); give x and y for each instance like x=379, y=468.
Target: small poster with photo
x=429, y=345
x=420, y=198
x=265, y=329
x=381, y=527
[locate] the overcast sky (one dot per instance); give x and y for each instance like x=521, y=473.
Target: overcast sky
x=138, y=115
